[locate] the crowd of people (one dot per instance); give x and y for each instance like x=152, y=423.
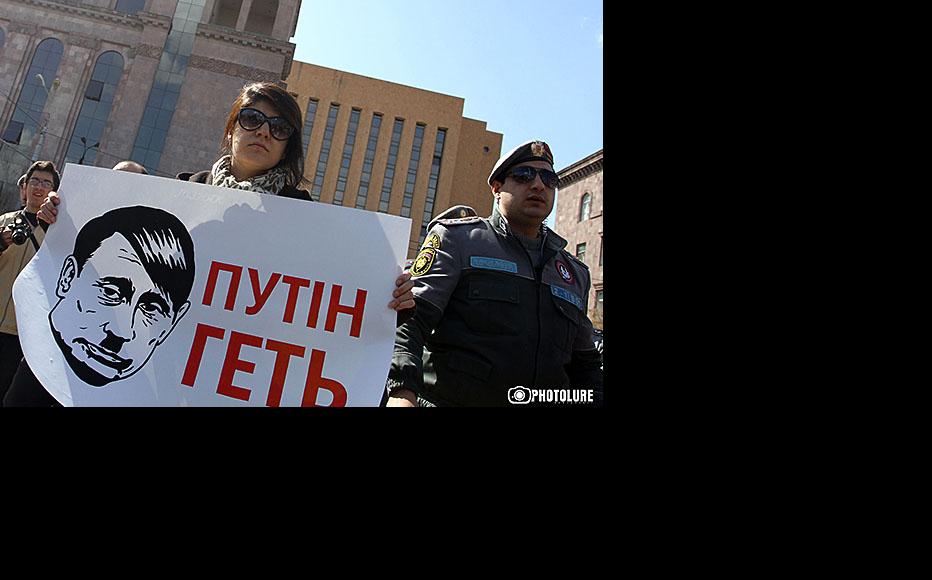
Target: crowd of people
x=488, y=306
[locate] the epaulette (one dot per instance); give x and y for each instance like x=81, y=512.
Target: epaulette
x=577, y=260
x=455, y=212
x=459, y=221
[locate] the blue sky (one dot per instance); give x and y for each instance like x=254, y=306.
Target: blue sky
x=528, y=69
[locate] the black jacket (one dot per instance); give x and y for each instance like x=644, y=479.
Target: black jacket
x=288, y=191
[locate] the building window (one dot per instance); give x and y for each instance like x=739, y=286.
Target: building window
x=348, y=147
x=581, y=252
x=308, y=124
x=412, y=170
x=584, y=206
x=30, y=106
x=601, y=247
x=13, y=132
x=226, y=12
x=262, y=17
x=2, y=37
x=325, y=152
x=94, y=90
x=598, y=307
x=169, y=76
x=432, y=183
x=130, y=6
x=363, y=194
x=95, y=109
x=390, y=166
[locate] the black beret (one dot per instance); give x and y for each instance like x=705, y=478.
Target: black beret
x=535, y=150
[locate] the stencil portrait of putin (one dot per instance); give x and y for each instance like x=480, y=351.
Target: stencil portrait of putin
x=121, y=292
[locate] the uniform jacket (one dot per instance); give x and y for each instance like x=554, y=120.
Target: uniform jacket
x=12, y=261
x=487, y=320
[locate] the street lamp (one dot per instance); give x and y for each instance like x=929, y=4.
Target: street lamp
x=86, y=148
x=45, y=116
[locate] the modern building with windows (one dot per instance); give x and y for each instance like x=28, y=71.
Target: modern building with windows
x=579, y=220
x=99, y=81
x=382, y=146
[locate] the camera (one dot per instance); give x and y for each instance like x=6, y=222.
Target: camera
x=20, y=229
x=519, y=395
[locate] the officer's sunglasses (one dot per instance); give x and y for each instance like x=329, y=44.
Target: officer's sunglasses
x=526, y=174
x=251, y=119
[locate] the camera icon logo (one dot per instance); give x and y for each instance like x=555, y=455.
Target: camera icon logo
x=519, y=395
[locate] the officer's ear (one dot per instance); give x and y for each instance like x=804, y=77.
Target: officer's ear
x=496, y=187
x=69, y=272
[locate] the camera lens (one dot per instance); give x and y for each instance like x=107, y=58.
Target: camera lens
x=20, y=230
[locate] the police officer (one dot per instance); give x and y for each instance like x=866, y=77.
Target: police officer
x=500, y=304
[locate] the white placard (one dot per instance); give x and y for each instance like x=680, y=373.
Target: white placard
x=103, y=319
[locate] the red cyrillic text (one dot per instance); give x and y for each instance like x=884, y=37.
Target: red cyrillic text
x=261, y=293
x=284, y=353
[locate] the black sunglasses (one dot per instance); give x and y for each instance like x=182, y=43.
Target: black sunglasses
x=526, y=174
x=251, y=119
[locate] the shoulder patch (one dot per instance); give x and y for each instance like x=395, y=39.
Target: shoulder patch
x=432, y=241
x=423, y=262
x=460, y=221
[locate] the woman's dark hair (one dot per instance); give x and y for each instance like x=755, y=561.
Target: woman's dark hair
x=293, y=159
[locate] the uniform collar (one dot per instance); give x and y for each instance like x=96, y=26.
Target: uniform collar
x=551, y=239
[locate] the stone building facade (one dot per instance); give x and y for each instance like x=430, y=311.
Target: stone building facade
x=579, y=220
x=153, y=80
x=382, y=146
x=149, y=80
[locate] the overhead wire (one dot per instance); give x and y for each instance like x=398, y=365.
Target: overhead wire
x=25, y=112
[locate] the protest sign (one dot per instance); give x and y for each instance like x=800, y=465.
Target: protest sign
x=150, y=291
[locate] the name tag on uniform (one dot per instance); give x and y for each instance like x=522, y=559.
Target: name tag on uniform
x=568, y=296
x=493, y=264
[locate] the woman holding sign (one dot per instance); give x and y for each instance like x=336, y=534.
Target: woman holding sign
x=260, y=151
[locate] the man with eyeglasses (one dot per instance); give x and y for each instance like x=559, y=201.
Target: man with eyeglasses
x=20, y=239
x=501, y=306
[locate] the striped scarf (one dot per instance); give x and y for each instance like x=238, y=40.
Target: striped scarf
x=271, y=182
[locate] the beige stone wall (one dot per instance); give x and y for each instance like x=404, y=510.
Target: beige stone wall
x=78, y=28
x=222, y=61
x=13, y=158
x=86, y=31
x=589, y=231
x=193, y=142
x=479, y=150
x=464, y=165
